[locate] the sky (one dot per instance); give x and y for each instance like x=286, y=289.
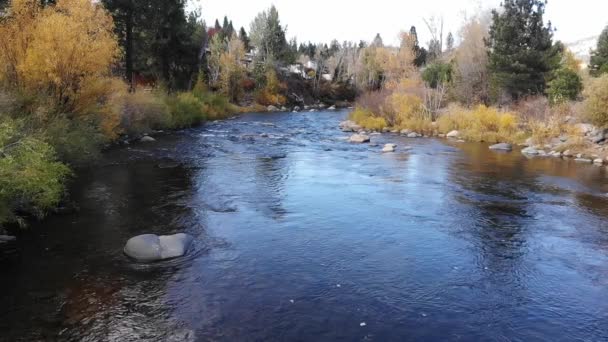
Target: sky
x=354, y=20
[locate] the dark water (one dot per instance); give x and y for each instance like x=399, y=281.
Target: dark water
x=302, y=236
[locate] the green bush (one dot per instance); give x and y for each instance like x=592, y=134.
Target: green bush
x=75, y=141
x=32, y=181
x=565, y=86
x=144, y=111
x=186, y=110
x=437, y=73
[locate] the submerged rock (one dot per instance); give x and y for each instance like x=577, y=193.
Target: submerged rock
x=531, y=151
x=150, y=247
x=349, y=126
x=501, y=147
x=359, y=138
x=388, y=148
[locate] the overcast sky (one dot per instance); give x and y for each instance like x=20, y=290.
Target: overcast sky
x=323, y=20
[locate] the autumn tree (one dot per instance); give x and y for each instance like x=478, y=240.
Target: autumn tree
x=232, y=70
x=522, y=55
x=56, y=50
x=471, y=75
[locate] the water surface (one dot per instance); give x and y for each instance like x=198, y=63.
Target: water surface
x=302, y=236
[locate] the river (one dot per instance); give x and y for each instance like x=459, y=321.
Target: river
x=302, y=236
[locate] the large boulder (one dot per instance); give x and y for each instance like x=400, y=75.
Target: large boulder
x=453, y=134
x=501, y=147
x=150, y=247
x=359, y=138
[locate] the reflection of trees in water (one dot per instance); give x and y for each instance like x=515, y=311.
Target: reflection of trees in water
x=492, y=207
x=140, y=196
x=501, y=194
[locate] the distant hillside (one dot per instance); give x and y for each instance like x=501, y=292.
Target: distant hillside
x=581, y=48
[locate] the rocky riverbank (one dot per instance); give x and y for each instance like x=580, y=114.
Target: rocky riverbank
x=588, y=144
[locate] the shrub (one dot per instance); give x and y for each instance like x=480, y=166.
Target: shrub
x=596, y=101
x=366, y=119
x=566, y=86
x=31, y=180
x=480, y=124
x=215, y=106
x=437, y=73
x=75, y=141
x=144, y=111
x=271, y=94
x=186, y=110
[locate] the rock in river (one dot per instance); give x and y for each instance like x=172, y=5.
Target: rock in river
x=501, y=147
x=453, y=134
x=150, y=247
x=359, y=138
x=147, y=138
x=531, y=151
x=389, y=148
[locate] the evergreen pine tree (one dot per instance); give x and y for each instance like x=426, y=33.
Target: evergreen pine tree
x=522, y=56
x=599, y=56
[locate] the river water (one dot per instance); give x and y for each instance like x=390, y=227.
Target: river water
x=303, y=236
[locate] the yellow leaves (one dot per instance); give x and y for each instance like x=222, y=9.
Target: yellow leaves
x=366, y=119
x=56, y=48
x=480, y=124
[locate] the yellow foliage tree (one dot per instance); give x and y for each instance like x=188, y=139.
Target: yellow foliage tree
x=232, y=70
x=63, y=51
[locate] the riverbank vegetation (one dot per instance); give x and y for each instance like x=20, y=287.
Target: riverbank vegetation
x=506, y=81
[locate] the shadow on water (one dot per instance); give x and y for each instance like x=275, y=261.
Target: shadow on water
x=302, y=236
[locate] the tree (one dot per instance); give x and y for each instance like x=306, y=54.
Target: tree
x=599, y=57
x=245, y=39
x=216, y=48
x=522, y=55
x=472, y=80
x=232, y=71
x=160, y=41
x=420, y=54
x=268, y=36
x=377, y=42
x=56, y=50
x=449, y=43
x=435, y=26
